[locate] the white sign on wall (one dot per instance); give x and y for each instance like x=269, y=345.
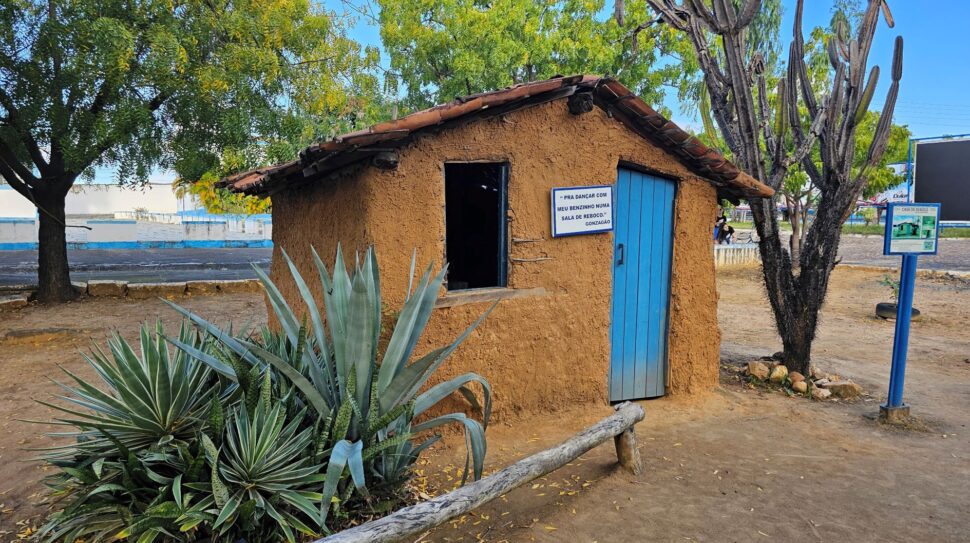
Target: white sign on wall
x=582, y=210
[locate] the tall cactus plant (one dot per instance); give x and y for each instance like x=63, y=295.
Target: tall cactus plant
x=768, y=141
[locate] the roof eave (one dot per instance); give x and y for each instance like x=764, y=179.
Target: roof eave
x=321, y=160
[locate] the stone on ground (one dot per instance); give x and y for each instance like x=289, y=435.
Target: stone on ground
x=758, y=370
x=821, y=394
x=800, y=387
x=778, y=374
x=13, y=301
x=238, y=285
x=843, y=389
x=202, y=287
x=102, y=287
x=144, y=291
x=795, y=377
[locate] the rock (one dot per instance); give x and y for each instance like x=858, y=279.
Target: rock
x=145, y=291
x=795, y=377
x=843, y=389
x=238, y=285
x=800, y=387
x=814, y=372
x=778, y=374
x=98, y=287
x=201, y=287
x=80, y=287
x=821, y=382
x=821, y=394
x=758, y=370
x=13, y=301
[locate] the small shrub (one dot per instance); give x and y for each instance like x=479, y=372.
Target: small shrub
x=259, y=437
x=893, y=285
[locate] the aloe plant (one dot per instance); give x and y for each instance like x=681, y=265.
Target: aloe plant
x=365, y=406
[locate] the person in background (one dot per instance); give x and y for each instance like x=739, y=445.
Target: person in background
x=723, y=232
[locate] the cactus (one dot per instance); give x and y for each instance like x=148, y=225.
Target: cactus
x=796, y=277
x=781, y=111
x=866, y=97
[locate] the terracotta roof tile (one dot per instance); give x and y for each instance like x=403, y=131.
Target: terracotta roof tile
x=324, y=158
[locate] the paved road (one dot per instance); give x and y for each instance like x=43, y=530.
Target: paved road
x=144, y=265
x=954, y=254
x=153, y=265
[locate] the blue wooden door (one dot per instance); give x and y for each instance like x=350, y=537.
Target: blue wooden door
x=643, y=239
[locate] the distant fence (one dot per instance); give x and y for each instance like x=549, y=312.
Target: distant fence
x=739, y=254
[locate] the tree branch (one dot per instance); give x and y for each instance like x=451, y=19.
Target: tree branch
x=22, y=172
x=33, y=149
x=15, y=182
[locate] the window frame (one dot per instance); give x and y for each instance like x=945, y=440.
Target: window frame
x=503, y=220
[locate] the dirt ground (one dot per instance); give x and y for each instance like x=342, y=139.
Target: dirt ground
x=738, y=464
x=749, y=465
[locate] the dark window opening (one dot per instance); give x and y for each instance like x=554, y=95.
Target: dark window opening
x=475, y=245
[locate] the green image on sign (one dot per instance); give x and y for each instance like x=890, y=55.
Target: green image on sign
x=905, y=227
x=927, y=227
x=912, y=229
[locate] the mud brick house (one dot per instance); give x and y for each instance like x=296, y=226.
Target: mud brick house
x=571, y=200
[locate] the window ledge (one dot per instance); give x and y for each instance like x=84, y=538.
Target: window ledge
x=478, y=295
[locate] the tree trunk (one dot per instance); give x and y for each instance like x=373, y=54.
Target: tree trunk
x=53, y=274
x=789, y=296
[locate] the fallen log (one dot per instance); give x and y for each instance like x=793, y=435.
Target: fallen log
x=419, y=518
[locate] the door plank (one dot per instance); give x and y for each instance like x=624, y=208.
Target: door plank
x=632, y=264
x=646, y=297
x=619, y=286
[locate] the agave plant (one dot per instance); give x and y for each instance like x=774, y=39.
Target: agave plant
x=364, y=405
x=263, y=470
x=153, y=398
x=130, y=439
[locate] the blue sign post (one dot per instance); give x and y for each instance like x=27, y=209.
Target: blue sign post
x=911, y=230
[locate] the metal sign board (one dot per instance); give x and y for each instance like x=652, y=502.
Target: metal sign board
x=912, y=229
x=582, y=210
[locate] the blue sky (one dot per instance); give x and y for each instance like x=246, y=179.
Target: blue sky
x=934, y=94
x=934, y=98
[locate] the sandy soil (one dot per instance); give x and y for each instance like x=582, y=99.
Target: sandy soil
x=738, y=464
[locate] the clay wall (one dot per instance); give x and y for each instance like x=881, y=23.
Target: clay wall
x=550, y=347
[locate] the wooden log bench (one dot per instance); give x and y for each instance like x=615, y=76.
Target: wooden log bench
x=419, y=518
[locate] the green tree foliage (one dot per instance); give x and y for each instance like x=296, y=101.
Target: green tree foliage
x=763, y=39
x=440, y=49
x=146, y=84
x=882, y=177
